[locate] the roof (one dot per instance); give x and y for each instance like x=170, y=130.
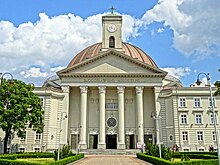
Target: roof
x=127, y=48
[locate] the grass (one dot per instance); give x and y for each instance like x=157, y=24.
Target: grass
x=38, y=160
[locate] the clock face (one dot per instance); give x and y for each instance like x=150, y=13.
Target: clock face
x=111, y=28
x=111, y=122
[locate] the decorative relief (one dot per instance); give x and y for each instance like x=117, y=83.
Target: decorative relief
x=121, y=89
x=139, y=89
x=103, y=80
x=83, y=89
x=102, y=89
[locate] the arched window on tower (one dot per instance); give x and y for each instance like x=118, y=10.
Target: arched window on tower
x=111, y=42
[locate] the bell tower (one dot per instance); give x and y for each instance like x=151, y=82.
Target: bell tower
x=111, y=31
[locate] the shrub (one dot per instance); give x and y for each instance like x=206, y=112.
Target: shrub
x=64, y=152
x=153, y=150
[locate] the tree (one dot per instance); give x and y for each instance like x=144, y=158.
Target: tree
x=20, y=108
x=217, y=84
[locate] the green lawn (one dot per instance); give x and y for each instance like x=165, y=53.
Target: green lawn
x=38, y=160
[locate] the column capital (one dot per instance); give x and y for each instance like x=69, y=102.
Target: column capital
x=102, y=89
x=83, y=89
x=66, y=89
x=139, y=89
x=157, y=89
x=121, y=89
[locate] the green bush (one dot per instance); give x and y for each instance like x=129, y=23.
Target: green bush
x=64, y=152
x=153, y=150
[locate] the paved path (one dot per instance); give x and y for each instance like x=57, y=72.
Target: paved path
x=110, y=160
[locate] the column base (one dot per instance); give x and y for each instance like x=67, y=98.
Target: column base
x=82, y=146
x=121, y=146
x=102, y=146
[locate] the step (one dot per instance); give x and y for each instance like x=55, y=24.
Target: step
x=110, y=151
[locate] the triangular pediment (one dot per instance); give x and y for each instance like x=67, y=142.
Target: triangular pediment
x=111, y=62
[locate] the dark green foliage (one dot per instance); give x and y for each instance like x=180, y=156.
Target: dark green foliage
x=153, y=150
x=196, y=155
x=217, y=84
x=64, y=152
x=160, y=161
x=19, y=108
x=185, y=158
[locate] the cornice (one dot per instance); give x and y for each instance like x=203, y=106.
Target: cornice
x=112, y=75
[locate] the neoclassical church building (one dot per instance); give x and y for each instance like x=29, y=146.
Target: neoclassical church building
x=112, y=95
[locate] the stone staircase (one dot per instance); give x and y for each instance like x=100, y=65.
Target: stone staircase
x=110, y=151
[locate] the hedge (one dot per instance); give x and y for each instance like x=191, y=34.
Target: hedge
x=160, y=161
x=67, y=160
x=196, y=156
x=4, y=159
x=27, y=155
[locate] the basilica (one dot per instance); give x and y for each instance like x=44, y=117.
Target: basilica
x=112, y=95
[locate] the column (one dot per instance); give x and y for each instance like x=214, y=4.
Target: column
x=83, y=109
x=139, y=95
x=121, y=116
x=102, y=91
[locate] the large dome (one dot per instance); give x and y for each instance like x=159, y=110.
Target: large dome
x=128, y=49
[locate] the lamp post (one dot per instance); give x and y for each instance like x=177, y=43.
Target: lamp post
x=61, y=119
x=156, y=117
x=2, y=76
x=198, y=82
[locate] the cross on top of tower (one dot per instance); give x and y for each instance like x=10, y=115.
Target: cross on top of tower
x=112, y=10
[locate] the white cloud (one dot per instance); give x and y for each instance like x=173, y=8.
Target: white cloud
x=33, y=72
x=160, y=30
x=177, y=72
x=51, y=41
x=194, y=23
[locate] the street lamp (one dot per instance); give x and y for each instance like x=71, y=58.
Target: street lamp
x=198, y=82
x=2, y=76
x=61, y=119
x=156, y=117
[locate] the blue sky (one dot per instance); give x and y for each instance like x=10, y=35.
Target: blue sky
x=39, y=37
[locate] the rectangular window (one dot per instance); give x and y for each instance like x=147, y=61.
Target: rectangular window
x=198, y=119
x=37, y=149
x=210, y=102
x=183, y=119
x=186, y=149
x=182, y=102
x=212, y=118
x=200, y=136
x=201, y=149
x=112, y=106
x=197, y=102
x=185, y=136
x=38, y=136
x=21, y=149
x=213, y=135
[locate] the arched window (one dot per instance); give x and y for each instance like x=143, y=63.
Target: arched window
x=111, y=42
